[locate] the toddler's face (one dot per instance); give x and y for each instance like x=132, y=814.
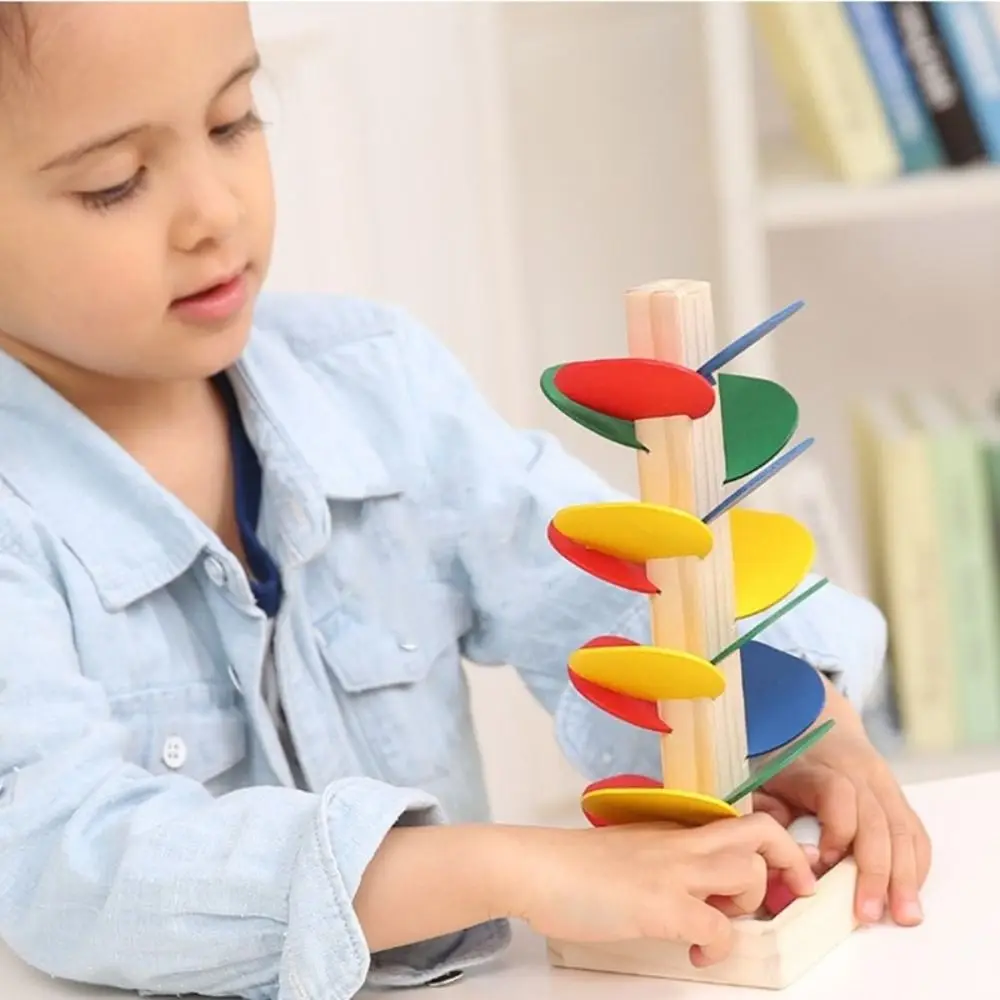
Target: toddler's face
x=96, y=248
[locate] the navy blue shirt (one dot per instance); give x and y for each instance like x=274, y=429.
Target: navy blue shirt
x=265, y=579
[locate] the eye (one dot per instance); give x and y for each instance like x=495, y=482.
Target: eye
x=108, y=197
x=234, y=131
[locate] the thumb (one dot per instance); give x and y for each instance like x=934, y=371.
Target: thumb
x=788, y=817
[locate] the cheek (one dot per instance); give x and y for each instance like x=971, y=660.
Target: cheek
x=79, y=285
x=258, y=196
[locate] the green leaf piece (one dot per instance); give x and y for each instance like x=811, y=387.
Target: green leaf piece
x=779, y=762
x=759, y=418
x=768, y=621
x=614, y=429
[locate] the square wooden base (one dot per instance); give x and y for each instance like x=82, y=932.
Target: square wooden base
x=767, y=954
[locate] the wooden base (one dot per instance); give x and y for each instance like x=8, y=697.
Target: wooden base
x=767, y=954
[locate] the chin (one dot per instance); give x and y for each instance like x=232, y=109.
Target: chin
x=204, y=355
x=226, y=351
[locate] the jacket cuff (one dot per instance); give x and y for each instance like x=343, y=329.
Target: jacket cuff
x=441, y=958
x=326, y=955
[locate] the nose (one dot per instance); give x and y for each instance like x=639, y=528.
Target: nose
x=210, y=210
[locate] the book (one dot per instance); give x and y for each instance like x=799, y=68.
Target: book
x=819, y=66
x=906, y=570
x=969, y=35
x=935, y=73
x=912, y=128
x=961, y=497
x=989, y=427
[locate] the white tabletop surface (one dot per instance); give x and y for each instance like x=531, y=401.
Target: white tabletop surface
x=954, y=953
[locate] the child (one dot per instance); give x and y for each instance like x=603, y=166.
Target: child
x=244, y=543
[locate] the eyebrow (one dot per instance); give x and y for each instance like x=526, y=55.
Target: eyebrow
x=246, y=69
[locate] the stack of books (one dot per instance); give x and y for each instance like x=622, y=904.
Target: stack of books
x=878, y=90
x=929, y=472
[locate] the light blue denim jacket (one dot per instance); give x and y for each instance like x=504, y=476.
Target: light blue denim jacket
x=151, y=835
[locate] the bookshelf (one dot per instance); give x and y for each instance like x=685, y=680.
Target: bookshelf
x=794, y=195
x=765, y=190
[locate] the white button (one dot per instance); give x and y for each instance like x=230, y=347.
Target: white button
x=174, y=753
x=216, y=570
x=234, y=677
x=408, y=647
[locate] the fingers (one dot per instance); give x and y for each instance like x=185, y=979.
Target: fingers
x=923, y=848
x=778, y=896
x=891, y=847
x=708, y=931
x=781, y=853
x=751, y=899
x=734, y=881
x=806, y=831
x=778, y=810
x=858, y=802
x=837, y=812
x=726, y=906
x=904, y=900
x=873, y=851
x=820, y=792
x=760, y=834
x=910, y=860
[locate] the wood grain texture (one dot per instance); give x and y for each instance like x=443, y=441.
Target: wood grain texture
x=766, y=954
x=684, y=467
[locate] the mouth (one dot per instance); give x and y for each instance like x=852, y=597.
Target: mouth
x=213, y=287
x=217, y=300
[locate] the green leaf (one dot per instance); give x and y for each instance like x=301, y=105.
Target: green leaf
x=759, y=418
x=779, y=762
x=614, y=429
x=768, y=621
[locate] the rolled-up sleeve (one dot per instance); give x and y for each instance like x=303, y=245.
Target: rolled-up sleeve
x=498, y=487
x=113, y=876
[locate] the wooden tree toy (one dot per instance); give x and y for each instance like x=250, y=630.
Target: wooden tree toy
x=718, y=701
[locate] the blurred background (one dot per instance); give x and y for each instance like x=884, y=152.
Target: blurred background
x=507, y=170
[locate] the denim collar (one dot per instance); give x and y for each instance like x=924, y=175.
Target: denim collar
x=133, y=536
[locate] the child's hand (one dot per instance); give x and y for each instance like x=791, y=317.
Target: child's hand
x=846, y=784
x=651, y=881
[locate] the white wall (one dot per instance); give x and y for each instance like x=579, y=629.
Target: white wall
x=390, y=180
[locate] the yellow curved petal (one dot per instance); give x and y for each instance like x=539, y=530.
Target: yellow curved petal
x=616, y=806
x=635, y=531
x=772, y=554
x=648, y=672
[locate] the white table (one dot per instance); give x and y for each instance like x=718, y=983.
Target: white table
x=952, y=954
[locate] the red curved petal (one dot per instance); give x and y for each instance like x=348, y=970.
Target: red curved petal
x=636, y=388
x=611, y=569
x=635, y=711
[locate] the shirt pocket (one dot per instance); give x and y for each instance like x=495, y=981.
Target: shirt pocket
x=402, y=693
x=196, y=731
